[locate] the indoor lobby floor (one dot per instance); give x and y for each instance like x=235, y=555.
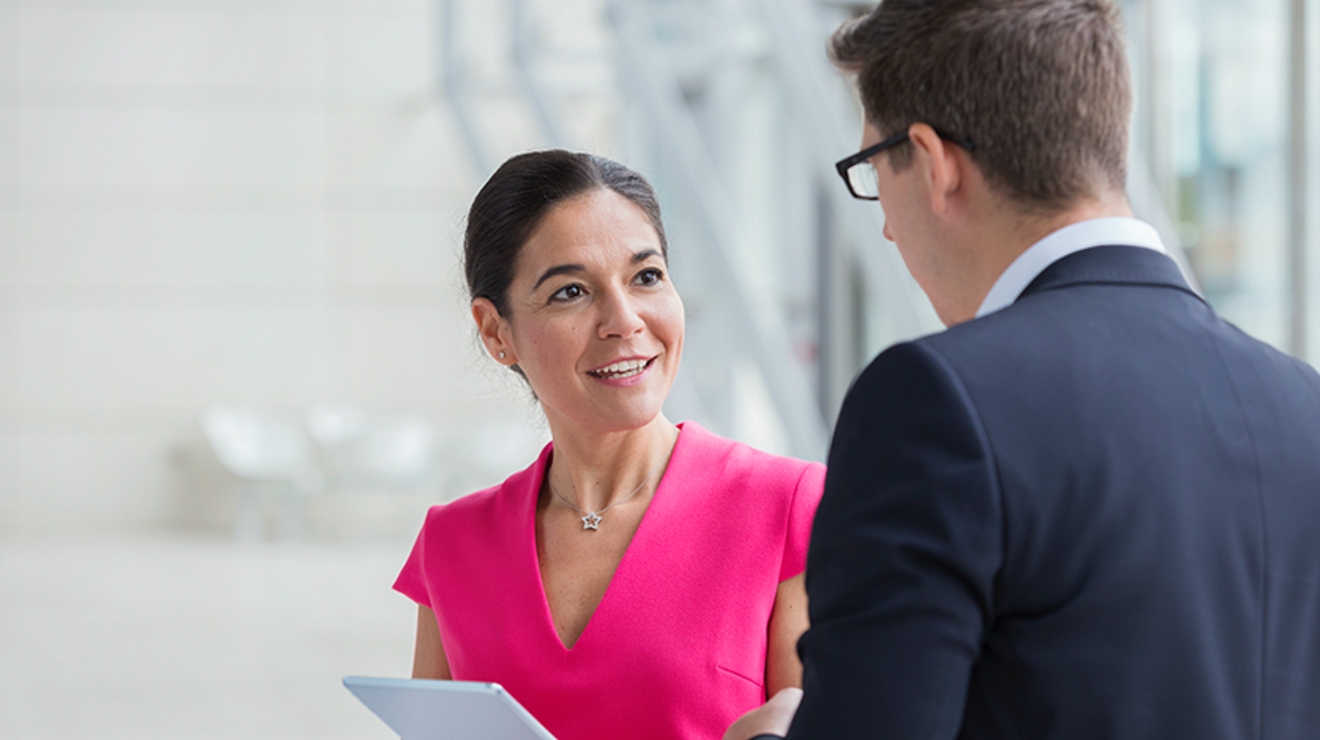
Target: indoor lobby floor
x=170, y=637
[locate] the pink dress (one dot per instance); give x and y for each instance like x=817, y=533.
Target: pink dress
x=677, y=648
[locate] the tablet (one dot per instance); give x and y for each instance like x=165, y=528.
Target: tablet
x=419, y=709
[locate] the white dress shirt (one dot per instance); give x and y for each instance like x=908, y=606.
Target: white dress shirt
x=1095, y=232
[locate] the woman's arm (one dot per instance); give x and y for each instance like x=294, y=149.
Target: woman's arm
x=787, y=623
x=429, y=659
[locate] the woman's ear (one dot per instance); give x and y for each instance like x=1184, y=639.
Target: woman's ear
x=490, y=326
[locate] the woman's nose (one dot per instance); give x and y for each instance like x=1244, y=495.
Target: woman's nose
x=619, y=316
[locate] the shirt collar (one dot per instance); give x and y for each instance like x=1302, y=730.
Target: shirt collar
x=1068, y=240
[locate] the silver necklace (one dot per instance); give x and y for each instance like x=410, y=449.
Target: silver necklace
x=591, y=519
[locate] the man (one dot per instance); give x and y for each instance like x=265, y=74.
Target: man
x=1091, y=508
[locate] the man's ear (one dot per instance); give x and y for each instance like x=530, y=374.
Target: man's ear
x=491, y=328
x=940, y=166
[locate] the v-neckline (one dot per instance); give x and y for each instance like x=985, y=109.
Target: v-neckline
x=548, y=616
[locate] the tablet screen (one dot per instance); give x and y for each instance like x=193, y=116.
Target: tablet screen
x=419, y=709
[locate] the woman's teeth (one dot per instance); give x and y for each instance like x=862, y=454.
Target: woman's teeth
x=625, y=369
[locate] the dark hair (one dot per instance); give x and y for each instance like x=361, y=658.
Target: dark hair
x=1040, y=87
x=521, y=192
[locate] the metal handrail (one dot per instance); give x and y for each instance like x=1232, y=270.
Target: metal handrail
x=658, y=84
x=520, y=34
x=453, y=89
x=821, y=97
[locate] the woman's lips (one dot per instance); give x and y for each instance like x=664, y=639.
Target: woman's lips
x=622, y=370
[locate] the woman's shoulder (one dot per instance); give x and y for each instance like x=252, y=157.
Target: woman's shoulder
x=735, y=462
x=478, y=505
x=771, y=499
x=473, y=538
x=496, y=503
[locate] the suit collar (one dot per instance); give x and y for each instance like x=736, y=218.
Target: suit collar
x=1060, y=243
x=1111, y=265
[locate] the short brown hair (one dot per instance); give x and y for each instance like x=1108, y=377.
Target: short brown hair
x=1040, y=87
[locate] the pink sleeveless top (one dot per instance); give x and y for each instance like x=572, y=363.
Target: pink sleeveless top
x=677, y=648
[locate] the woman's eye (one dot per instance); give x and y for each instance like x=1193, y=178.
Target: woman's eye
x=649, y=277
x=567, y=293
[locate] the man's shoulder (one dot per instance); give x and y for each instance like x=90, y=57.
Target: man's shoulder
x=1041, y=355
x=971, y=349
x=1075, y=352
x=1084, y=323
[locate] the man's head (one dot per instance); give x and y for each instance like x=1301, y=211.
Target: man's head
x=1016, y=114
x=1041, y=87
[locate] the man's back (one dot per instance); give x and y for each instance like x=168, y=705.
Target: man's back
x=1116, y=536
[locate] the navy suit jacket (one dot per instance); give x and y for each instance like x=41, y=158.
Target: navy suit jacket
x=1094, y=514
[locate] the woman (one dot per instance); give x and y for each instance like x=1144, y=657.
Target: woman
x=640, y=579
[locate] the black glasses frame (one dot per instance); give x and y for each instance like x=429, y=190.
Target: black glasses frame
x=843, y=165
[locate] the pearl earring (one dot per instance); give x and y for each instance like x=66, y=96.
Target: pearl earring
x=501, y=355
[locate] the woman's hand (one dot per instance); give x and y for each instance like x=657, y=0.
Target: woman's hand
x=773, y=717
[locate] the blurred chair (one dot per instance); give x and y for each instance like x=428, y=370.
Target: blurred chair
x=265, y=450
x=374, y=450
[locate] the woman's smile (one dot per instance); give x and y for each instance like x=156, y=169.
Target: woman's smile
x=623, y=373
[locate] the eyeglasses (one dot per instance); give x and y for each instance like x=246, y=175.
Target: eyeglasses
x=859, y=175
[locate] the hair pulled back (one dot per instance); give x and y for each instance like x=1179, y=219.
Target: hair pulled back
x=519, y=195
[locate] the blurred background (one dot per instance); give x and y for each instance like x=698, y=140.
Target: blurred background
x=236, y=363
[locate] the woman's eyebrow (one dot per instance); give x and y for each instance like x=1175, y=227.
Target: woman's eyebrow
x=575, y=268
x=559, y=270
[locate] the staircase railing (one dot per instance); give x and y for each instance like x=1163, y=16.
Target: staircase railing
x=650, y=74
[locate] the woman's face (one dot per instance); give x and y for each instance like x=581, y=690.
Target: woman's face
x=594, y=321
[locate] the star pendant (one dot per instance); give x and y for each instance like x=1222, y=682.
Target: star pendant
x=591, y=521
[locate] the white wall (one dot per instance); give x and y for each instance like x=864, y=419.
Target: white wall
x=218, y=201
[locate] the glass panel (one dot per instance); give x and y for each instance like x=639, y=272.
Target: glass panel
x=1212, y=120
x=1313, y=180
